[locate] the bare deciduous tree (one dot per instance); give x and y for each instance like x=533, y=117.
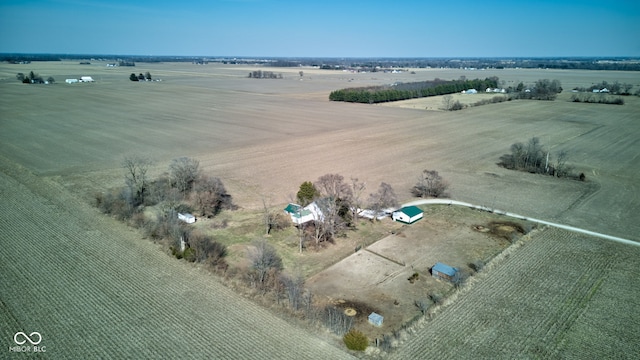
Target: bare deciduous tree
x=357, y=190
x=336, y=320
x=184, y=172
x=334, y=203
x=211, y=195
x=264, y=257
x=333, y=186
x=561, y=167
x=135, y=176
x=294, y=286
x=447, y=102
x=383, y=199
x=430, y=183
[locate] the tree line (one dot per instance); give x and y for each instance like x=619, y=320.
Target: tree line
x=33, y=78
x=396, y=92
x=259, y=74
x=141, y=77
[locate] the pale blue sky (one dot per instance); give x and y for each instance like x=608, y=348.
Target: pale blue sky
x=327, y=28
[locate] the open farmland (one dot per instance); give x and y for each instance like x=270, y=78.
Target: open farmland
x=93, y=287
x=264, y=136
x=560, y=295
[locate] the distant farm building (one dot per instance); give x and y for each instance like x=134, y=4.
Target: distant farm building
x=376, y=319
x=470, y=91
x=444, y=272
x=86, y=79
x=71, y=81
x=496, y=90
x=407, y=215
x=300, y=215
x=188, y=218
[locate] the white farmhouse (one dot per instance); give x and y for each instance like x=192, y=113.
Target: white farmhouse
x=300, y=215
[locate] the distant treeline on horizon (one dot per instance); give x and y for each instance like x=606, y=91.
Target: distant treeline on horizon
x=373, y=63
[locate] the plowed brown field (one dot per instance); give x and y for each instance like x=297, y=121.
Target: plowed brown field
x=94, y=289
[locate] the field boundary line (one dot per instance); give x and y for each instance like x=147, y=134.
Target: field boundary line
x=385, y=257
x=521, y=217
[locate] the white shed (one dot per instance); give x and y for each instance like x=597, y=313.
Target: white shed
x=407, y=215
x=86, y=79
x=188, y=218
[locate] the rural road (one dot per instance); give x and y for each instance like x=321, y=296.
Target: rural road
x=517, y=216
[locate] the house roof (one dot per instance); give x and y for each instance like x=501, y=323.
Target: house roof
x=444, y=269
x=297, y=211
x=292, y=208
x=411, y=211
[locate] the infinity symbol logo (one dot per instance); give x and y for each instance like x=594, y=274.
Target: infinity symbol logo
x=27, y=338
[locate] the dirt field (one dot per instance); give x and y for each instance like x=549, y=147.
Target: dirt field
x=378, y=275
x=264, y=138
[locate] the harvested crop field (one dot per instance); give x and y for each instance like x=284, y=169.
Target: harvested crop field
x=94, y=288
x=559, y=295
x=266, y=136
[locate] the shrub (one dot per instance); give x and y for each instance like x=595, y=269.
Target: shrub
x=175, y=252
x=189, y=254
x=457, y=105
x=356, y=340
x=430, y=183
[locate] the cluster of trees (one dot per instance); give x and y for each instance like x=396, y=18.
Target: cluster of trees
x=140, y=77
x=259, y=74
x=266, y=275
x=184, y=188
x=597, y=99
x=534, y=158
x=339, y=201
x=33, y=78
x=126, y=63
x=615, y=88
x=543, y=89
x=378, y=94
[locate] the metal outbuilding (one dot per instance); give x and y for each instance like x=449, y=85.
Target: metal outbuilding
x=444, y=272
